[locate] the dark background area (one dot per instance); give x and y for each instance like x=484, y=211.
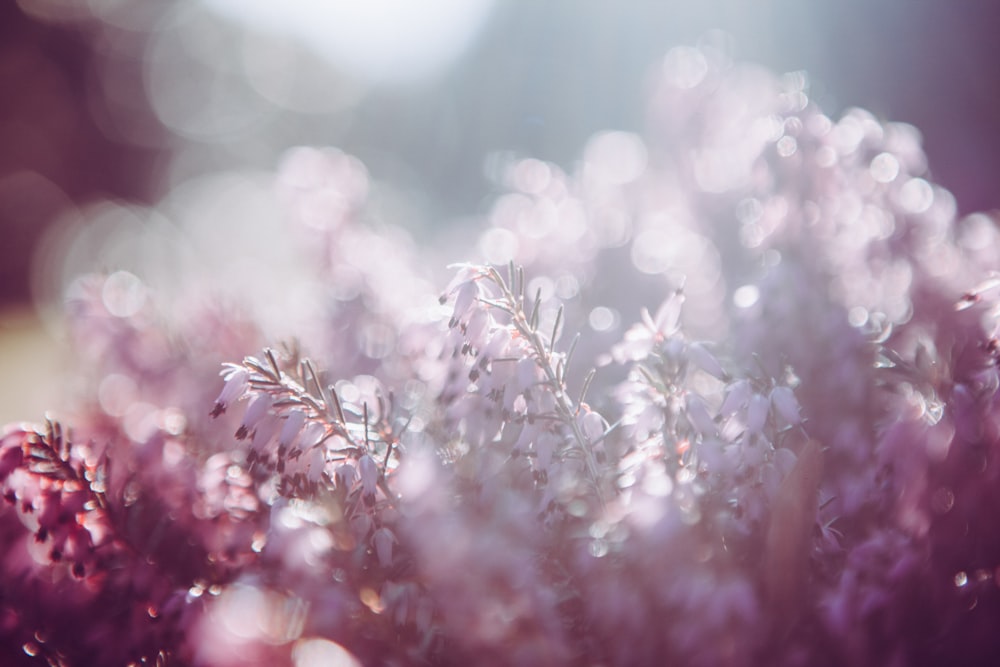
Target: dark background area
x=539, y=80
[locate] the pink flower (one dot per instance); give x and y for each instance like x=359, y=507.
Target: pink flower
x=236, y=384
x=369, y=474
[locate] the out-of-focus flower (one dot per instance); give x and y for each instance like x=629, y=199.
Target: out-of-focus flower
x=724, y=394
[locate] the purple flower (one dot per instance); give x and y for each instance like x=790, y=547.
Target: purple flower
x=726, y=393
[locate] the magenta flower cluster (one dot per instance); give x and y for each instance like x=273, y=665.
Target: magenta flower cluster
x=726, y=394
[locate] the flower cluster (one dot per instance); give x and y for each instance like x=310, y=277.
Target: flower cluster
x=726, y=393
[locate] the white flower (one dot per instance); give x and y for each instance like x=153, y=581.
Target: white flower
x=636, y=345
x=783, y=400
x=736, y=397
x=478, y=327
x=757, y=413
x=706, y=361
x=697, y=413
x=311, y=435
x=236, y=378
x=345, y=475
x=255, y=412
x=383, y=539
x=668, y=315
x=369, y=474
x=265, y=431
x=293, y=424
x=593, y=425
x=467, y=293
x=361, y=525
x=497, y=345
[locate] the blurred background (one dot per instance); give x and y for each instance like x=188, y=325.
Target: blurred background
x=120, y=115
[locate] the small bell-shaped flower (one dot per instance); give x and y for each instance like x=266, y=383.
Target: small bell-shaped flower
x=368, y=470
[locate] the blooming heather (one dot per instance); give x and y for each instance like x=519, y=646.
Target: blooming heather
x=724, y=394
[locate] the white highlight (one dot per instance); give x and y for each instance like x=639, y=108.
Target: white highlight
x=317, y=652
x=746, y=296
x=392, y=41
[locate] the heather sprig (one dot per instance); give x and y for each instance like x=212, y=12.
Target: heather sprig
x=538, y=390
x=300, y=429
x=59, y=493
x=78, y=529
